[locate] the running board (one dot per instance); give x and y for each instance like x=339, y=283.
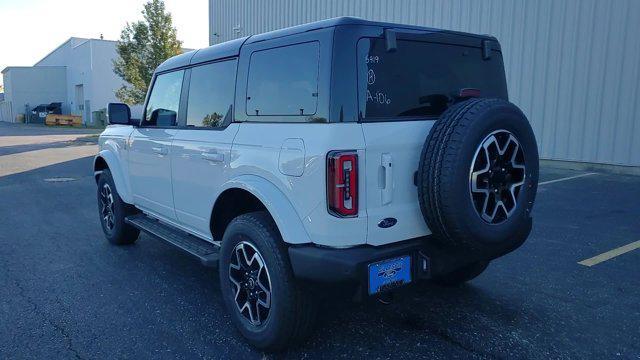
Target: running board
x=202, y=249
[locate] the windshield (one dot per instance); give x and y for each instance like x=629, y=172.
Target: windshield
x=421, y=79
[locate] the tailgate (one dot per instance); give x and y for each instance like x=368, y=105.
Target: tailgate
x=392, y=156
x=403, y=86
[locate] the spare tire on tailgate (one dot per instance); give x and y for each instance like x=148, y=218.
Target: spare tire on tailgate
x=478, y=175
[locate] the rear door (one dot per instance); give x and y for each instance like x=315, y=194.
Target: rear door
x=202, y=147
x=401, y=94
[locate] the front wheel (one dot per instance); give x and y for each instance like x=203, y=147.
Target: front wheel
x=269, y=307
x=112, y=211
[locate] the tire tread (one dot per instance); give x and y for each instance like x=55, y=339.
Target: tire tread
x=299, y=322
x=437, y=162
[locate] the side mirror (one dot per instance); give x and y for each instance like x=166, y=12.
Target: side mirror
x=163, y=117
x=118, y=113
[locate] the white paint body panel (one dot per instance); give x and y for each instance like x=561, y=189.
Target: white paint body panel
x=113, y=144
x=393, y=154
x=257, y=151
x=150, y=170
x=171, y=174
x=278, y=205
x=199, y=167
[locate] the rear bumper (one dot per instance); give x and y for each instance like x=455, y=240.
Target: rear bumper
x=311, y=262
x=331, y=265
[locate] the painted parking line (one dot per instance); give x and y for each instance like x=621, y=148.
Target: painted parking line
x=566, y=178
x=610, y=254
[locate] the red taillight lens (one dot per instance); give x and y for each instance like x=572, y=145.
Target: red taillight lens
x=342, y=183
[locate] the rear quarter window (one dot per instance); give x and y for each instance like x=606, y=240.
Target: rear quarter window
x=420, y=79
x=283, y=81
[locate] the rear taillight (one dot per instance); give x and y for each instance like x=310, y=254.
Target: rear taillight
x=342, y=183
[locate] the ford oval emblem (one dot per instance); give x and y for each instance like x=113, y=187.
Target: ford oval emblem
x=387, y=223
x=389, y=272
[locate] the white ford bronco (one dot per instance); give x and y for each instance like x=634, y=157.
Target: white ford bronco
x=343, y=151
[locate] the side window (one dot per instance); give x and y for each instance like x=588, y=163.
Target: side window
x=211, y=92
x=283, y=81
x=162, y=108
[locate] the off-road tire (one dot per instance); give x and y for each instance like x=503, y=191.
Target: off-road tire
x=445, y=171
x=293, y=307
x=120, y=233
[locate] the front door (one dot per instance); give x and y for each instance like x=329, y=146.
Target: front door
x=202, y=148
x=150, y=147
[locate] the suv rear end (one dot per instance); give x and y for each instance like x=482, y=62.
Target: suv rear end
x=396, y=82
x=401, y=92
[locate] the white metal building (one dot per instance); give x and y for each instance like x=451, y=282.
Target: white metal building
x=573, y=66
x=78, y=73
x=27, y=86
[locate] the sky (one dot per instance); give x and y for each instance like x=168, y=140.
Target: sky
x=31, y=29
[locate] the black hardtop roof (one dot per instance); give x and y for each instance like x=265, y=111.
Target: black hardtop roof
x=232, y=47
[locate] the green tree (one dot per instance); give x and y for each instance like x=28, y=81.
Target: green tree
x=211, y=120
x=142, y=47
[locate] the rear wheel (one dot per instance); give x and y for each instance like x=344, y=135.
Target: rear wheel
x=267, y=305
x=112, y=211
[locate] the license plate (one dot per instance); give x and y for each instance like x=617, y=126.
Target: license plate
x=389, y=274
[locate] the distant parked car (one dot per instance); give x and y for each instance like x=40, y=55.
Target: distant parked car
x=341, y=151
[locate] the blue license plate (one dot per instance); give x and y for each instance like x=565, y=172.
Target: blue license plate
x=388, y=274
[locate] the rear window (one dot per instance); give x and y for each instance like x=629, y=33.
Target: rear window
x=211, y=91
x=420, y=79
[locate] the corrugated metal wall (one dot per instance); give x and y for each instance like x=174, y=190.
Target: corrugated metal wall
x=573, y=66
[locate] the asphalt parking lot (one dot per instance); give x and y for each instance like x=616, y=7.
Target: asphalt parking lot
x=66, y=293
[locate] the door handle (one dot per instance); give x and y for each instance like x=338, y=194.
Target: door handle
x=387, y=190
x=160, y=150
x=213, y=157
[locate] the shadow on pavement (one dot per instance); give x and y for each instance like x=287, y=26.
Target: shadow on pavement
x=15, y=149
x=19, y=129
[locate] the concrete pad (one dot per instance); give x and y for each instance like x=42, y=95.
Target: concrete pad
x=31, y=160
x=6, y=141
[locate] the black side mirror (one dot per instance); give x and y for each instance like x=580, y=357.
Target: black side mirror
x=118, y=113
x=163, y=118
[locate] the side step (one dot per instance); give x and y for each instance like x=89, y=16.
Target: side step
x=202, y=249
